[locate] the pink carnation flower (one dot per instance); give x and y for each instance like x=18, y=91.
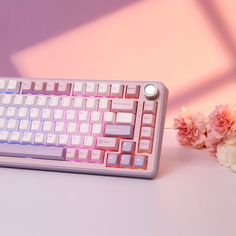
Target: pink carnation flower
x=232, y=132
x=221, y=121
x=191, y=128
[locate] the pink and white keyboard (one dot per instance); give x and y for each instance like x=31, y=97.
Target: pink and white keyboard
x=83, y=126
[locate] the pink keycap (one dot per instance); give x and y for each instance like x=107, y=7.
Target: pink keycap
x=39, y=87
x=148, y=120
x=132, y=91
x=150, y=107
x=107, y=143
x=27, y=86
x=122, y=105
x=121, y=131
x=63, y=88
x=145, y=146
x=78, y=88
x=117, y=90
x=50, y=87
x=97, y=156
x=147, y=132
x=83, y=154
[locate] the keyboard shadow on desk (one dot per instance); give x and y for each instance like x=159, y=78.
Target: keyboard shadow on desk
x=175, y=157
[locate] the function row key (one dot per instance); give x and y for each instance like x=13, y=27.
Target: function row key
x=102, y=89
x=132, y=91
x=10, y=86
x=47, y=88
x=105, y=90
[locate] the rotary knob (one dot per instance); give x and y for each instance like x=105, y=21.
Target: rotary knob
x=151, y=91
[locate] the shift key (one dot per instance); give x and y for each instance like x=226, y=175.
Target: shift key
x=108, y=143
x=119, y=131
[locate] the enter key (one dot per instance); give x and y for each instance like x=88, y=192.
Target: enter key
x=119, y=131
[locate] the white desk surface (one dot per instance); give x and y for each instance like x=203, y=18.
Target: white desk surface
x=193, y=195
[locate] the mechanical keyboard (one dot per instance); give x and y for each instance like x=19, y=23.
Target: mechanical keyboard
x=82, y=126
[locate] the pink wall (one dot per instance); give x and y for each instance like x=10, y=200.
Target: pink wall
x=190, y=45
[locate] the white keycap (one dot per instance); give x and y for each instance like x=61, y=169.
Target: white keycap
x=47, y=126
x=91, y=89
x=59, y=127
x=79, y=103
x=89, y=142
x=58, y=115
x=84, y=129
x=63, y=139
x=12, y=85
x=97, y=130
x=78, y=88
x=42, y=101
x=70, y=115
x=83, y=116
x=4, y=135
x=24, y=125
x=109, y=117
x=83, y=154
x=97, y=156
x=15, y=137
x=66, y=102
x=2, y=85
x=103, y=89
x=2, y=111
x=70, y=154
x=76, y=140
x=117, y=90
x=38, y=86
x=18, y=100
x=96, y=117
x=39, y=138
x=2, y=123
x=125, y=118
x=62, y=87
x=36, y=126
x=12, y=124
x=23, y=112
x=27, y=137
x=72, y=128
x=104, y=105
x=50, y=86
x=34, y=113
x=27, y=86
x=51, y=139
x=30, y=100
x=91, y=104
x=46, y=114
x=11, y=112
x=54, y=102
x=7, y=99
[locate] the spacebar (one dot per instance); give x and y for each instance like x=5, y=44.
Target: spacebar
x=39, y=152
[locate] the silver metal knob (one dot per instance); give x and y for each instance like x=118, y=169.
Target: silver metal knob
x=151, y=91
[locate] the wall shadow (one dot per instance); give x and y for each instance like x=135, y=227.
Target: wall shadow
x=203, y=88
x=27, y=22
x=219, y=25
